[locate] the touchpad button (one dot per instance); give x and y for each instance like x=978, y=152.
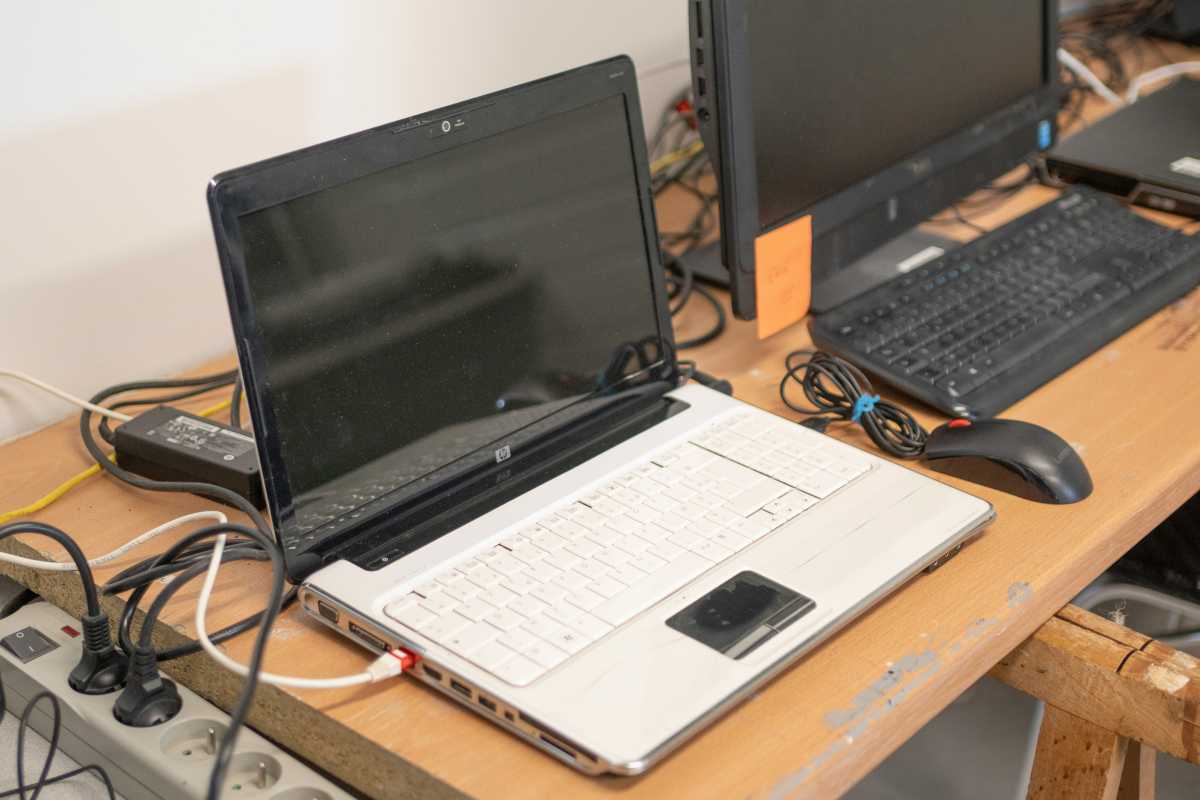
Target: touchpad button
x=741, y=614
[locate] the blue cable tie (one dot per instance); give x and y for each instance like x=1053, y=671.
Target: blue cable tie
x=865, y=404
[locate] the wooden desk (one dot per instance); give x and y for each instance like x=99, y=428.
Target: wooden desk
x=813, y=731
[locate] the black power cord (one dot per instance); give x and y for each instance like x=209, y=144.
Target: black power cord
x=55, y=731
x=261, y=533
x=681, y=285
x=140, y=577
x=100, y=669
x=838, y=390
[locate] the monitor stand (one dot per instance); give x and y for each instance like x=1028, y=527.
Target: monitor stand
x=906, y=252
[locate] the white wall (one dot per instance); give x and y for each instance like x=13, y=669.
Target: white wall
x=113, y=115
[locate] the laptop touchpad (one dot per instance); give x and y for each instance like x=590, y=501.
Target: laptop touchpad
x=741, y=614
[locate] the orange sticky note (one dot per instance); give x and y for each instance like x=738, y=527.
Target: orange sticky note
x=783, y=275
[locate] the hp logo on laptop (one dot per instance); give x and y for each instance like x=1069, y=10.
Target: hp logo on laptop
x=503, y=454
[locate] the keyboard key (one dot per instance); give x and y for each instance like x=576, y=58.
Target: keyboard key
x=528, y=553
x=506, y=564
x=481, y=574
x=491, y=655
x=584, y=548
x=562, y=559
x=528, y=606
x=471, y=638
x=628, y=574
x=666, y=551
x=542, y=572
x=712, y=551
x=685, y=539
x=412, y=614
x=585, y=599
x=505, y=619
x=605, y=537
x=545, y=654
x=439, y=603
x=608, y=586
x=498, y=596
x=649, y=589
x=821, y=484
x=633, y=545
x=592, y=570
x=624, y=524
x=462, y=590
x=560, y=636
x=445, y=626
x=654, y=533
x=735, y=542
x=521, y=583
x=592, y=627
x=571, y=580
x=723, y=516
x=518, y=671
x=613, y=557
x=476, y=609
x=426, y=589
x=750, y=529
x=755, y=497
x=549, y=541
x=549, y=593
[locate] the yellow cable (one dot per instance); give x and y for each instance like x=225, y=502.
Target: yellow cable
x=57, y=492
x=221, y=406
x=69, y=484
x=676, y=156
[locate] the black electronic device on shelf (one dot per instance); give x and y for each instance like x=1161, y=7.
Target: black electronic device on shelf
x=974, y=331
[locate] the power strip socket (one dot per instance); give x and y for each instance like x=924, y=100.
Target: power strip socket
x=170, y=761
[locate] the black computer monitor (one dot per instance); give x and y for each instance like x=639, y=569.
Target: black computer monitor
x=866, y=117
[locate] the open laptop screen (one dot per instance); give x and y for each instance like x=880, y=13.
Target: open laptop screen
x=425, y=313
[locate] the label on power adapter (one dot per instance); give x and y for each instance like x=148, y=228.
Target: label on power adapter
x=197, y=435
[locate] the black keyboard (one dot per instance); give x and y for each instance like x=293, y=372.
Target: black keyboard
x=978, y=329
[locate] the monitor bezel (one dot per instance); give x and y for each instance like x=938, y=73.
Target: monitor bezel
x=240, y=191
x=726, y=122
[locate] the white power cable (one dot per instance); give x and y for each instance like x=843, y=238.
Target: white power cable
x=70, y=398
x=154, y=533
x=389, y=665
x=1079, y=68
x=1158, y=74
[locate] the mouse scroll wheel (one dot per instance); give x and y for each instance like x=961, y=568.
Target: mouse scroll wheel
x=959, y=423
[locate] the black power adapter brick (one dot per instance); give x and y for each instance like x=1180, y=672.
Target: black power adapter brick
x=166, y=444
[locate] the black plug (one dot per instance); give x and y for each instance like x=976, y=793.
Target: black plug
x=149, y=698
x=712, y=382
x=100, y=669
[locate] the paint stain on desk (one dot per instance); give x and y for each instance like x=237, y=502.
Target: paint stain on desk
x=888, y=692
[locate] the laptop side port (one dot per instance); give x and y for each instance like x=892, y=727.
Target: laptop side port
x=568, y=752
x=327, y=611
x=368, y=638
x=461, y=688
x=431, y=672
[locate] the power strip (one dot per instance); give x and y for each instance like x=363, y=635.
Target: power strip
x=169, y=761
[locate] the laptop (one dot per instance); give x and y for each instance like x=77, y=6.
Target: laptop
x=477, y=443
x=1147, y=153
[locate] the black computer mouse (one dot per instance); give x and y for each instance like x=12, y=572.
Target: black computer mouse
x=1016, y=457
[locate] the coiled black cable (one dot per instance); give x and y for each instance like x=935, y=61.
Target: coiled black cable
x=838, y=390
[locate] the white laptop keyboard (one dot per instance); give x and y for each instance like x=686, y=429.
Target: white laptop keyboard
x=561, y=584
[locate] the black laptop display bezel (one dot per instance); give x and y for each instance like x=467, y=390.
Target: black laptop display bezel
x=241, y=191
